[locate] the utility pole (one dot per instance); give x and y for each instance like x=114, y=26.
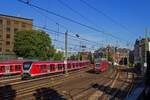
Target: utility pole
x=107, y=52
x=146, y=45
x=66, y=52
x=57, y=37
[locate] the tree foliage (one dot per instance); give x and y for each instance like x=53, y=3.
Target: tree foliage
x=33, y=44
x=58, y=56
x=110, y=58
x=73, y=57
x=90, y=58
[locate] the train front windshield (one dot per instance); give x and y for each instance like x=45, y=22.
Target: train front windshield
x=26, y=65
x=97, y=65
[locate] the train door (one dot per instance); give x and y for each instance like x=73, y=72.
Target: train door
x=2, y=69
x=56, y=67
x=60, y=67
x=7, y=69
x=48, y=68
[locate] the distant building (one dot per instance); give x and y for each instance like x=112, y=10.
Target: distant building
x=8, y=26
x=131, y=57
x=140, y=48
x=69, y=53
x=116, y=53
x=84, y=54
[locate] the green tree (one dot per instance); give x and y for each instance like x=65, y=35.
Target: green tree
x=80, y=57
x=72, y=57
x=90, y=58
x=33, y=44
x=110, y=58
x=58, y=56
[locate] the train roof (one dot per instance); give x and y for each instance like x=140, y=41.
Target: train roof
x=11, y=62
x=54, y=62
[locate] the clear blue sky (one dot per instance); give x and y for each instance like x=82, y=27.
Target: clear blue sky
x=134, y=14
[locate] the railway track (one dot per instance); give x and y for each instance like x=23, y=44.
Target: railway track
x=123, y=85
x=117, y=89
x=62, y=84
x=17, y=79
x=94, y=87
x=9, y=78
x=71, y=91
x=25, y=84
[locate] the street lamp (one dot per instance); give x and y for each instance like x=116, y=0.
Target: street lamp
x=77, y=35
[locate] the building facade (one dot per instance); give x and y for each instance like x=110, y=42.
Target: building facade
x=8, y=26
x=140, y=48
x=116, y=53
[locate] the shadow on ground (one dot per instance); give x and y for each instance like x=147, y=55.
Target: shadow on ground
x=113, y=92
x=91, y=71
x=47, y=94
x=7, y=93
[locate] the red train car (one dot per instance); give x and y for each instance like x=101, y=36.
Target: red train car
x=101, y=65
x=10, y=67
x=36, y=68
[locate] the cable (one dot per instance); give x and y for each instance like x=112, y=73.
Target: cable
x=107, y=16
x=71, y=20
x=44, y=28
x=75, y=11
x=60, y=25
x=51, y=30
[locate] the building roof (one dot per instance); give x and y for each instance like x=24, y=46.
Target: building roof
x=16, y=17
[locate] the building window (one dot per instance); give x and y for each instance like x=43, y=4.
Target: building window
x=1, y=22
x=0, y=49
x=7, y=35
x=7, y=42
x=8, y=22
x=8, y=29
x=23, y=25
x=15, y=29
x=16, y=23
x=7, y=50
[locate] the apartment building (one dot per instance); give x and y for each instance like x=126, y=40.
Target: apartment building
x=8, y=26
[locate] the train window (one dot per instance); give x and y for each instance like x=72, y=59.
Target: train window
x=56, y=67
x=59, y=66
x=12, y=67
x=2, y=68
x=63, y=66
x=48, y=67
x=80, y=64
x=41, y=67
x=97, y=65
x=69, y=66
x=52, y=67
x=44, y=67
x=26, y=65
x=18, y=67
x=76, y=64
x=37, y=66
x=73, y=65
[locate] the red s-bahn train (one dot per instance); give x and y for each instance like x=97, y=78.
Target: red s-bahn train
x=31, y=69
x=101, y=65
x=10, y=67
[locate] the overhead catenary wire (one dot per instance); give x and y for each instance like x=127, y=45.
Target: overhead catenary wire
x=51, y=32
x=44, y=27
x=105, y=15
x=71, y=20
x=78, y=13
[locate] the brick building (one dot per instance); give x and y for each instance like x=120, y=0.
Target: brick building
x=140, y=47
x=116, y=53
x=8, y=26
